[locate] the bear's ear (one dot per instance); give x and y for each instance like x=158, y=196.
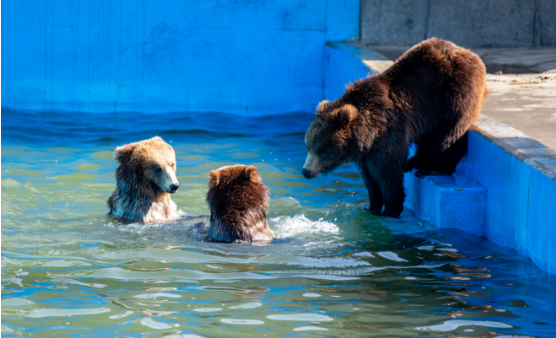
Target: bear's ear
x=322, y=108
x=214, y=178
x=252, y=174
x=346, y=114
x=123, y=153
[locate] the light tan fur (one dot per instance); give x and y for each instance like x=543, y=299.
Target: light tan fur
x=145, y=179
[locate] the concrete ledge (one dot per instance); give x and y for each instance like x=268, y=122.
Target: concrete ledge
x=519, y=145
x=448, y=201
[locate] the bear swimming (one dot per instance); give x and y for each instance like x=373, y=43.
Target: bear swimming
x=430, y=97
x=238, y=202
x=145, y=179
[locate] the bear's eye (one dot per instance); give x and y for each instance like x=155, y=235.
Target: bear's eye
x=321, y=152
x=157, y=168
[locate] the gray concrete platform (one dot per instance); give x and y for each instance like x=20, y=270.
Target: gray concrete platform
x=526, y=102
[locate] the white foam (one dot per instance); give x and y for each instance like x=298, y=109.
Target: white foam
x=286, y=226
x=155, y=295
x=208, y=309
x=311, y=295
x=426, y=247
x=43, y=313
x=310, y=328
x=301, y=317
x=391, y=256
x=241, y=321
x=364, y=254
x=153, y=324
x=127, y=313
x=450, y=325
x=247, y=306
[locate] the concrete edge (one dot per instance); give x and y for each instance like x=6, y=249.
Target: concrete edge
x=517, y=144
x=374, y=62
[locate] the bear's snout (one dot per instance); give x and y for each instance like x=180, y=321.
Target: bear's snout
x=306, y=173
x=174, y=188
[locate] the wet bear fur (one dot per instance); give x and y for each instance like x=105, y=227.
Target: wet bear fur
x=238, y=202
x=430, y=97
x=145, y=178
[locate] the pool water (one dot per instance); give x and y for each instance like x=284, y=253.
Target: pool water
x=335, y=271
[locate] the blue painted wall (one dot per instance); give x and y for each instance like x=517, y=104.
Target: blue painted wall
x=170, y=55
x=521, y=200
x=341, y=68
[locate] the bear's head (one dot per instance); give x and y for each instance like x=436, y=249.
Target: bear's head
x=238, y=202
x=153, y=161
x=328, y=138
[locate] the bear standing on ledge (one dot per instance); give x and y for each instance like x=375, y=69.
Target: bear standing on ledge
x=430, y=97
x=238, y=202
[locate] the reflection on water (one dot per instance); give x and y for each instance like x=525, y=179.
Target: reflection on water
x=335, y=269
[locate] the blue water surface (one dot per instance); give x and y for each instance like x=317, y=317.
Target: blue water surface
x=336, y=270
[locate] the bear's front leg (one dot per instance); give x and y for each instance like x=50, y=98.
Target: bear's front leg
x=392, y=190
x=375, y=193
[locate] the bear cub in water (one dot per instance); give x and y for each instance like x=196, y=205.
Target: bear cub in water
x=238, y=202
x=145, y=179
x=430, y=97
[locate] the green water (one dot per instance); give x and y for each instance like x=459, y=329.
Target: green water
x=335, y=271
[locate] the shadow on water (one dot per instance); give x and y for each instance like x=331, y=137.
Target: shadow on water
x=335, y=270
x=63, y=127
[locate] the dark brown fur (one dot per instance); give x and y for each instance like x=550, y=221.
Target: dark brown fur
x=430, y=97
x=238, y=202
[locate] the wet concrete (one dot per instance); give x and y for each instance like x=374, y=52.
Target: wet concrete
x=526, y=102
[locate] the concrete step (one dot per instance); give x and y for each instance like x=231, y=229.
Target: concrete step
x=448, y=201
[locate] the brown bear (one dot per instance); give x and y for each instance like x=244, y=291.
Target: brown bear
x=429, y=97
x=145, y=179
x=238, y=202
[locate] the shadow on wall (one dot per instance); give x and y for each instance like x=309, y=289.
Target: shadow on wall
x=472, y=23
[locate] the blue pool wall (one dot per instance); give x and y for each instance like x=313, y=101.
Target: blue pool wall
x=236, y=56
x=512, y=199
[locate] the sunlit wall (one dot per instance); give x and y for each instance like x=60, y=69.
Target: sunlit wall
x=240, y=56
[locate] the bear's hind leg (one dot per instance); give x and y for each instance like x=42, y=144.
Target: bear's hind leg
x=419, y=160
x=375, y=193
x=447, y=148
